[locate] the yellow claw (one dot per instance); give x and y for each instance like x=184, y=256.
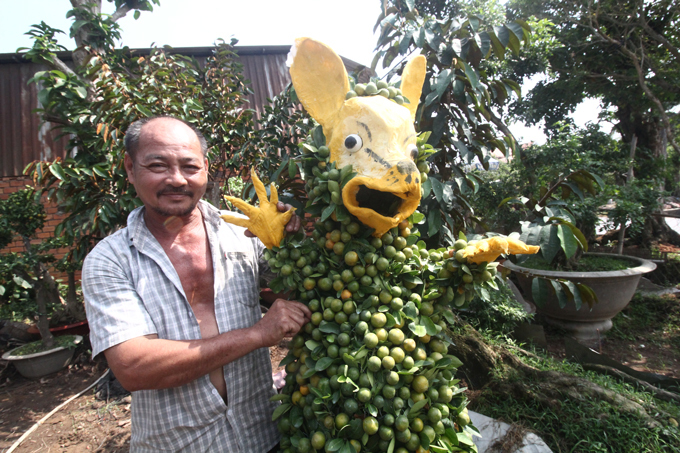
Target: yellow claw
x=487, y=250
x=266, y=222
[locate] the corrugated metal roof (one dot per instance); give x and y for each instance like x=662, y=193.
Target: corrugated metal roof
x=23, y=139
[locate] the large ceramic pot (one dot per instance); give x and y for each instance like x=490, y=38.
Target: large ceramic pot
x=614, y=290
x=41, y=364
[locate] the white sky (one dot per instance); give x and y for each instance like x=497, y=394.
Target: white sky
x=346, y=26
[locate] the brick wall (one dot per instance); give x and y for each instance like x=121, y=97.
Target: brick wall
x=9, y=185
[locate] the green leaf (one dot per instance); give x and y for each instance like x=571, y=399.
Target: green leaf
x=575, y=294
x=143, y=110
x=430, y=328
x=450, y=317
x=282, y=409
x=410, y=310
x=472, y=76
x=503, y=35
x=347, y=448
x=194, y=105
x=549, y=242
x=329, y=327
x=424, y=441
x=434, y=221
x=287, y=359
x=417, y=217
x=559, y=292
x=411, y=279
x=57, y=171
x=81, y=92
x=451, y=435
x=323, y=363
x=328, y=212
x=587, y=294
x=100, y=172
x=484, y=43
x=532, y=235
x=567, y=240
x=465, y=439
x=416, y=408
x=516, y=29
x=372, y=409
x=418, y=330
x=438, y=189
x=539, y=291
x=296, y=418
x=312, y=345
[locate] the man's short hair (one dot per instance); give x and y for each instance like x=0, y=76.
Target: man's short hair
x=134, y=132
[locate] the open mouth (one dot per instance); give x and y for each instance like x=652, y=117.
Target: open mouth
x=384, y=203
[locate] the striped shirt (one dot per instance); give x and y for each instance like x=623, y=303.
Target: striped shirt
x=131, y=289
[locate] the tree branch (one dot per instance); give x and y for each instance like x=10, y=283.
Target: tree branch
x=595, y=28
x=120, y=12
x=659, y=38
x=61, y=66
x=504, y=128
x=657, y=392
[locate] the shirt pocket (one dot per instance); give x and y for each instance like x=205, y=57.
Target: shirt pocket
x=241, y=278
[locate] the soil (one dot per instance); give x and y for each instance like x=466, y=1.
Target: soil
x=90, y=425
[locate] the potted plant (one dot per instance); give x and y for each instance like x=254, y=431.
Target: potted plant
x=575, y=290
x=26, y=283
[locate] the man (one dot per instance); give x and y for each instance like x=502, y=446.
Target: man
x=172, y=302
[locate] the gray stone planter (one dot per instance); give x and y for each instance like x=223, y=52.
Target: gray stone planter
x=614, y=290
x=41, y=364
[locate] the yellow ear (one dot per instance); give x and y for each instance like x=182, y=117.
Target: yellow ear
x=412, y=79
x=319, y=78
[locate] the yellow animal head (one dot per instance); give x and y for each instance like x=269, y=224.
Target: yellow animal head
x=373, y=134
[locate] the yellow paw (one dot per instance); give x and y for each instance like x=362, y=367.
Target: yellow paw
x=266, y=221
x=487, y=250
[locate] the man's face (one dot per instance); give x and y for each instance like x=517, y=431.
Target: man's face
x=169, y=170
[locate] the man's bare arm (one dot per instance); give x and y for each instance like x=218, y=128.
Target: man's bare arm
x=148, y=362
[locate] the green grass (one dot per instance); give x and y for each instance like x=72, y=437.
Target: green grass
x=588, y=424
x=655, y=318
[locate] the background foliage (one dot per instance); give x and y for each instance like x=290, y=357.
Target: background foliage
x=94, y=103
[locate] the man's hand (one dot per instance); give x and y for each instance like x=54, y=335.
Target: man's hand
x=284, y=318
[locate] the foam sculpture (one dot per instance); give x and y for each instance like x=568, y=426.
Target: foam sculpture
x=372, y=371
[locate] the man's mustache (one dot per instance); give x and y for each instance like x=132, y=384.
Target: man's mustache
x=175, y=191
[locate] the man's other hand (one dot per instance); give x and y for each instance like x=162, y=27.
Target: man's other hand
x=293, y=225
x=284, y=318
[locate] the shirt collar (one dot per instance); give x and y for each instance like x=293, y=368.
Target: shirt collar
x=139, y=234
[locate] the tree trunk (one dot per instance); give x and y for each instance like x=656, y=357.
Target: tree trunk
x=497, y=370
x=73, y=307
x=41, y=295
x=82, y=36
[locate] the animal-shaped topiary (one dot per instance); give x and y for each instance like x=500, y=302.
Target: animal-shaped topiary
x=371, y=371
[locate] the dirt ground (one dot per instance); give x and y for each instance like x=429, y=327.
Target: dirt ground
x=83, y=425
x=89, y=425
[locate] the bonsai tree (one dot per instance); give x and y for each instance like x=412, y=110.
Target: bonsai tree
x=26, y=274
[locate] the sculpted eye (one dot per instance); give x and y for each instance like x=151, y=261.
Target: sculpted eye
x=353, y=143
x=412, y=151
